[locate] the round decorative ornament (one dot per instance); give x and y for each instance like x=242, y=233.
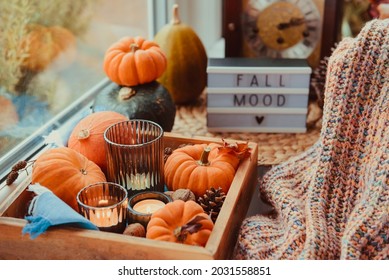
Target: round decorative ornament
x=282, y=29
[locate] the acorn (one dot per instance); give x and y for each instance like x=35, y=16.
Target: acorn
x=183, y=194
x=169, y=193
x=135, y=229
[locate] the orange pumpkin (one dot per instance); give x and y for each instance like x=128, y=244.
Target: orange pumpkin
x=65, y=172
x=45, y=44
x=200, y=167
x=133, y=60
x=87, y=136
x=180, y=222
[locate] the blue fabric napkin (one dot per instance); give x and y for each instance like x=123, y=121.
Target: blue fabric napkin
x=47, y=210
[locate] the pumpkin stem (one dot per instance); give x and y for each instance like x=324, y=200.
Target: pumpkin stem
x=176, y=18
x=83, y=171
x=180, y=235
x=193, y=226
x=126, y=93
x=83, y=134
x=134, y=47
x=204, y=157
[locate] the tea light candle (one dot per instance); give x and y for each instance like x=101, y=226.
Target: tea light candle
x=105, y=205
x=142, y=205
x=148, y=206
x=104, y=217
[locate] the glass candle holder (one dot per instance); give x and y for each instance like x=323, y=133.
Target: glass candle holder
x=105, y=205
x=142, y=205
x=135, y=155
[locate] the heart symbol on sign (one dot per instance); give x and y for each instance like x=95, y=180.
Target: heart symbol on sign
x=259, y=119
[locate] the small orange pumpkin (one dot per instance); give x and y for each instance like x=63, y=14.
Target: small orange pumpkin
x=133, y=60
x=87, y=136
x=45, y=44
x=65, y=172
x=200, y=167
x=180, y=222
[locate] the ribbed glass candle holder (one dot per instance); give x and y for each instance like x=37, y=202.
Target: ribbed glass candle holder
x=105, y=205
x=135, y=155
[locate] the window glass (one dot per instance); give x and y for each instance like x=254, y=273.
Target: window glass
x=51, y=53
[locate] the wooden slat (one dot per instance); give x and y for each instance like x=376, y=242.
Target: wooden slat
x=81, y=244
x=232, y=29
x=221, y=243
x=11, y=193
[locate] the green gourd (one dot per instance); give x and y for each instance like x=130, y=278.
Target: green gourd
x=186, y=74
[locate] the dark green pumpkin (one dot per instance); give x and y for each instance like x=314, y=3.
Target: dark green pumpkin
x=151, y=101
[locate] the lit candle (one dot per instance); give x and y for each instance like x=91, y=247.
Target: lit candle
x=148, y=206
x=138, y=181
x=104, y=217
x=105, y=205
x=141, y=206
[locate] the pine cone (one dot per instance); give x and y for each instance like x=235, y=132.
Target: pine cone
x=167, y=152
x=19, y=165
x=212, y=201
x=12, y=176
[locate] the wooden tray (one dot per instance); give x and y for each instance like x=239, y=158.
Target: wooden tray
x=72, y=243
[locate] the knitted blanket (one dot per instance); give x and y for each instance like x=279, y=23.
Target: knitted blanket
x=332, y=201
